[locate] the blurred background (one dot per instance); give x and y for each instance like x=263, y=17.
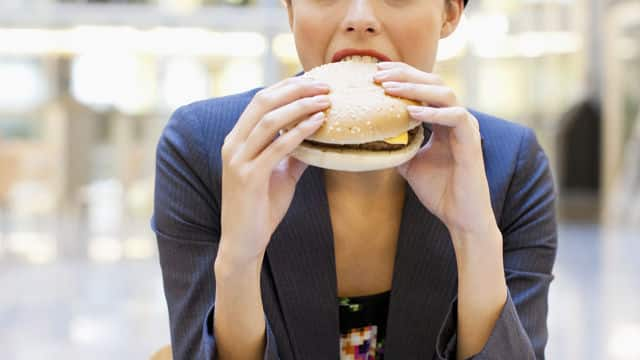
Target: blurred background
x=86, y=87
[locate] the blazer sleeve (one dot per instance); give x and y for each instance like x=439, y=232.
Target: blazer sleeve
x=529, y=230
x=186, y=221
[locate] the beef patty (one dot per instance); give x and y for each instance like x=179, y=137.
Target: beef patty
x=373, y=146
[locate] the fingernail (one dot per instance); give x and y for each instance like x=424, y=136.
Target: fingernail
x=415, y=109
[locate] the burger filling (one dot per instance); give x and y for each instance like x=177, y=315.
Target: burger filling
x=395, y=143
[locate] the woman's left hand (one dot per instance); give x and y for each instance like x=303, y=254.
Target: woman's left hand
x=448, y=173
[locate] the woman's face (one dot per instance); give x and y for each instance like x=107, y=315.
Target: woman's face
x=403, y=30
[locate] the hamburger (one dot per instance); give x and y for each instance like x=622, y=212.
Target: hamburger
x=365, y=129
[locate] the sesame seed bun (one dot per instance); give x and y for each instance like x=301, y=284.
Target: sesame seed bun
x=360, y=109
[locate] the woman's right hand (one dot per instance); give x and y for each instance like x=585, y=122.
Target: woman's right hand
x=258, y=175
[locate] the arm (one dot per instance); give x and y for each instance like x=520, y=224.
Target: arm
x=482, y=289
x=186, y=221
x=528, y=227
x=239, y=315
x=449, y=178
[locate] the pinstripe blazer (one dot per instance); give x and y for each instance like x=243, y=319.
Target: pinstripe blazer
x=298, y=277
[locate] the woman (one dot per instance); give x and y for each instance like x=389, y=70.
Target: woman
x=452, y=252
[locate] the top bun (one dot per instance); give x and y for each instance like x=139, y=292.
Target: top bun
x=360, y=110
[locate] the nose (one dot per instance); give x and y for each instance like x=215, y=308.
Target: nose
x=361, y=19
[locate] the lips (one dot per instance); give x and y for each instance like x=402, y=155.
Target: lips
x=362, y=52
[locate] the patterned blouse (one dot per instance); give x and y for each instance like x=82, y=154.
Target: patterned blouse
x=363, y=323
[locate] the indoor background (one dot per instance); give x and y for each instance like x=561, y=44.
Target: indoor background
x=87, y=86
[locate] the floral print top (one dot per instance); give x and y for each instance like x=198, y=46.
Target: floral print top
x=363, y=321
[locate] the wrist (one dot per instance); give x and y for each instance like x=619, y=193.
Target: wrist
x=228, y=264
x=483, y=227
x=485, y=241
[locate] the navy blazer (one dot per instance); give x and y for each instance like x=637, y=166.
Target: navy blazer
x=298, y=277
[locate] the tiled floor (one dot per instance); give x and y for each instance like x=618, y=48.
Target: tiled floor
x=81, y=310
x=595, y=298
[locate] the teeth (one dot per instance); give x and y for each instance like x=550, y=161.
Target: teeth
x=358, y=58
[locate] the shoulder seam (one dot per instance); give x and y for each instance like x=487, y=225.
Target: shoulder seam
x=186, y=112
x=516, y=167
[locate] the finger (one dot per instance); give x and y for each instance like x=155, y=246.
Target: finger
x=295, y=168
x=267, y=128
x=403, y=169
x=271, y=98
x=455, y=117
x=449, y=116
x=407, y=74
x=288, y=141
x=433, y=95
x=406, y=167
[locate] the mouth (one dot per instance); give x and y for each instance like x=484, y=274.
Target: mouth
x=358, y=58
x=369, y=56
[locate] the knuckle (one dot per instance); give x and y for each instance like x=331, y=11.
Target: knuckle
x=226, y=150
x=475, y=124
x=437, y=79
x=260, y=94
x=280, y=146
x=227, y=140
x=306, y=103
x=262, y=98
x=450, y=96
x=300, y=105
x=460, y=112
x=225, y=153
x=238, y=172
x=269, y=122
x=233, y=163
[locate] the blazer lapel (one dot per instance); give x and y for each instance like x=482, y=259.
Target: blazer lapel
x=424, y=283
x=302, y=259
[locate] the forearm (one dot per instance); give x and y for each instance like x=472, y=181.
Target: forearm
x=239, y=324
x=482, y=289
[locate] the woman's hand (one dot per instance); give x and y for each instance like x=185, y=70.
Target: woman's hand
x=258, y=175
x=447, y=174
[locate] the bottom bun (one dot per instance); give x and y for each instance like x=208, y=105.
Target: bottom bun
x=357, y=160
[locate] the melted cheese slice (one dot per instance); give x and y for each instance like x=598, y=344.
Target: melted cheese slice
x=400, y=139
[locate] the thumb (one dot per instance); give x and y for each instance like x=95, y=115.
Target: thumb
x=403, y=169
x=295, y=168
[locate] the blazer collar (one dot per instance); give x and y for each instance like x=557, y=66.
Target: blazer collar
x=302, y=260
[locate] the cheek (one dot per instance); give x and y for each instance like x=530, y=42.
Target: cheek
x=417, y=42
x=311, y=35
